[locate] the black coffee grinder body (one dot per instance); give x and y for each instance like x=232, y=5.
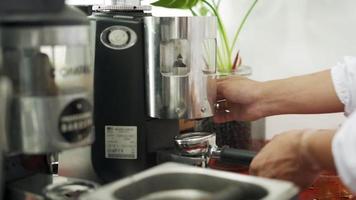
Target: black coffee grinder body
x=127, y=139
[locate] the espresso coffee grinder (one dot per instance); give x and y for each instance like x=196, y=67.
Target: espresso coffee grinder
x=46, y=58
x=149, y=73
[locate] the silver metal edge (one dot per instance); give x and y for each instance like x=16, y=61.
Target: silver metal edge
x=277, y=189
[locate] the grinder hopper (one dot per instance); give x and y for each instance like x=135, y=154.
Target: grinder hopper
x=181, y=62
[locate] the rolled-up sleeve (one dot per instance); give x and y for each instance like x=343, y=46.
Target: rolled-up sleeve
x=344, y=151
x=344, y=80
x=344, y=142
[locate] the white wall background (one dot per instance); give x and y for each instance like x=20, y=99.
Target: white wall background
x=284, y=38
x=291, y=37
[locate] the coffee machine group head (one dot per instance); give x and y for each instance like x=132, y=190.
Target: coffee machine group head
x=149, y=73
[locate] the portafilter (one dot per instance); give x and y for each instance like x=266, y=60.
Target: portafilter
x=203, y=144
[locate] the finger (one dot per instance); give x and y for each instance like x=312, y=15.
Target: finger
x=228, y=78
x=222, y=79
x=253, y=170
x=222, y=105
x=262, y=170
x=267, y=173
x=225, y=112
x=220, y=90
x=258, y=163
x=221, y=117
x=219, y=95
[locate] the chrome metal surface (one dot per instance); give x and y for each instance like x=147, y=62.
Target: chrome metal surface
x=180, y=194
x=117, y=42
x=122, y=2
x=203, y=145
x=176, y=181
x=195, y=143
x=69, y=190
x=121, y=5
x=36, y=128
x=33, y=37
x=2, y=178
x=52, y=78
x=5, y=95
x=48, y=187
x=48, y=61
x=180, y=60
x=171, y=156
x=53, y=161
x=110, y=8
x=5, y=99
x=82, y=168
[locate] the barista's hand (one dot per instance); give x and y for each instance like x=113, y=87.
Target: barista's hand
x=250, y=100
x=242, y=97
x=286, y=158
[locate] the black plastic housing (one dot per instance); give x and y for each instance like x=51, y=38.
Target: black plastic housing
x=120, y=100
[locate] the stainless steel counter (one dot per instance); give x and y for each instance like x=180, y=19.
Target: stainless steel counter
x=177, y=181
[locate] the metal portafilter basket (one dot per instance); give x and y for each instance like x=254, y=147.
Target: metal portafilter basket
x=70, y=189
x=203, y=144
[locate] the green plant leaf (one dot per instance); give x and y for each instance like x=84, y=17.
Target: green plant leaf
x=180, y=4
x=203, y=10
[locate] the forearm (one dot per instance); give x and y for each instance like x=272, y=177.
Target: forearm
x=306, y=94
x=316, y=148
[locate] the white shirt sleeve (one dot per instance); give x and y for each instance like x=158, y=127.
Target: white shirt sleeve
x=344, y=152
x=344, y=79
x=344, y=142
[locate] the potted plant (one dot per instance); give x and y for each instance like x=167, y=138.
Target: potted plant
x=233, y=134
x=228, y=59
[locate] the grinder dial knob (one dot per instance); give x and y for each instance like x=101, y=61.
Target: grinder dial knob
x=118, y=37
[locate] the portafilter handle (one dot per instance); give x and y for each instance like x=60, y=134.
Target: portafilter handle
x=234, y=156
x=204, y=144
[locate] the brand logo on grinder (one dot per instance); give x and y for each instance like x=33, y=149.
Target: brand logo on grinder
x=75, y=122
x=72, y=71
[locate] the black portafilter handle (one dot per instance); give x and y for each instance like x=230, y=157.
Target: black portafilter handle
x=237, y=156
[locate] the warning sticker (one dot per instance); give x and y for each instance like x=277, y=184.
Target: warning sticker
x=121, y=142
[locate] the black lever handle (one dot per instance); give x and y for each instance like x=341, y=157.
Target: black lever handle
x=237, y=156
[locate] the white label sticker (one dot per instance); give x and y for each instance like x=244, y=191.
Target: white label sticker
x=121, y=142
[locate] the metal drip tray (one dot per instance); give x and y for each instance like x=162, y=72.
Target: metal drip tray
x=173, y=181
x=188, y=186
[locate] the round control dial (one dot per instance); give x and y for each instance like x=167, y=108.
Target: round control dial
x=118, y=37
